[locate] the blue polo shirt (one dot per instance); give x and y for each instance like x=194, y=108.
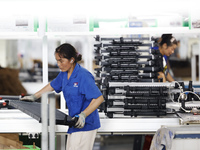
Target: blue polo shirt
x=165, y=59
x=78, y=92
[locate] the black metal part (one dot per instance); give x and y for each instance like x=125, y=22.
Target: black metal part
x=156, y=112
x=130, y=60
x=33, y=109
x=10, y=97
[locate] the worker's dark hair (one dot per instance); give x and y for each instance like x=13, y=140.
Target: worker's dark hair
x=66, y=50
x=168, y=39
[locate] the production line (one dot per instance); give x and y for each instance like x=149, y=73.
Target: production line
x=135, y=100
x=181, y=108
x=127, y=76
x=128, y=80
x=150, y=99
x=146, y=114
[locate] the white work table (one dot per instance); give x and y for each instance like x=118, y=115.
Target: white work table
x=135, y=125
x=15, y=121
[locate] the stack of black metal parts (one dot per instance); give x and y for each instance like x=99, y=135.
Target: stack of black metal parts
x=125, y=66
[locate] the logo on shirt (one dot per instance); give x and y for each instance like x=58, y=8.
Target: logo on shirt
x=75, y=84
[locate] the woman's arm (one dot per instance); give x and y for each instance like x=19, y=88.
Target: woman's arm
x=169, y=77
x=45, y=89
x=93, y=105
x=38, y=94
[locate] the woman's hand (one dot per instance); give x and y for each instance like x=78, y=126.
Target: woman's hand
x=161, y=75
x=81, y=120
x=29, y=98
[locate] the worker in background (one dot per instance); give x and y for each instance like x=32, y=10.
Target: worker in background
x=167, y=46
x=81, y=94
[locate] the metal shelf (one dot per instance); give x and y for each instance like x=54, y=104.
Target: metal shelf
x=19, y=35
x=128, y=31
x=118, y=31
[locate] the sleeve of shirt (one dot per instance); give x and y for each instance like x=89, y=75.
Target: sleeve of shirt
x=56, y=84
x=89, y=88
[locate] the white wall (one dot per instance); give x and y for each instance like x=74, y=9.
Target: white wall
x=3, y=53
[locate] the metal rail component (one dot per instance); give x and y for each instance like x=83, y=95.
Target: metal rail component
x=125, y=60
x=127, y=76
x=33, y=110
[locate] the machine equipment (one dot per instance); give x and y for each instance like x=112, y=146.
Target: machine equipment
x=127, y=77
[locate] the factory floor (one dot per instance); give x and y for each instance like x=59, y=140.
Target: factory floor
x=117, y=142
x=113, y=143
x=121, y=142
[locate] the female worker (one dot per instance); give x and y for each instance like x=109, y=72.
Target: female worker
x=166, y=47
x=81, y=94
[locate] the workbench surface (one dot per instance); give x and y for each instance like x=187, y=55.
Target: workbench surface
x=15, y=121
